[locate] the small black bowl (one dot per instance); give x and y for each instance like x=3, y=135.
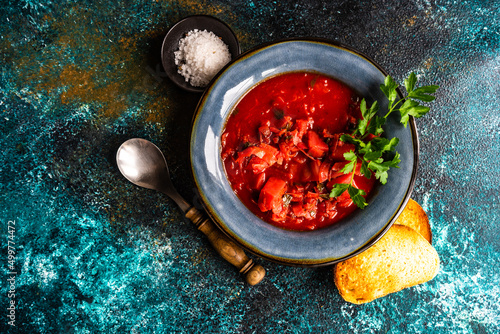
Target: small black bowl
x=179, y=30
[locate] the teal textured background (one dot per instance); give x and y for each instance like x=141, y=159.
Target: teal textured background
x=96, y=254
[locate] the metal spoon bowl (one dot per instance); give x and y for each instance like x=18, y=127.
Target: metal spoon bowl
x=143, y=164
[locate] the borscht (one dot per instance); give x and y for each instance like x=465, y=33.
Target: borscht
x=282, y=152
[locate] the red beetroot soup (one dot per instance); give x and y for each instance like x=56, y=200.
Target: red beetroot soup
x=282, y=153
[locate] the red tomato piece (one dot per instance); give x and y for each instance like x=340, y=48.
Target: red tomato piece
x=287, y=150
x=315, y=169
x=258, y=181
x=317, y=147
x=302, y=125
x=297, y=193
x=364, y=183
x=324, y=171
x=344, y=200
x=370, y=136
x=270, y=153
x=249, y=151
x=335, y=171
x=298, y=210
x=257, y=165
x=343, y=179
x=330, y=209
x=264, y=133
x=285, y=123
x=338, y=148
x=271, y=195
x=293, y=170
x=263, y=151
x=306, y=175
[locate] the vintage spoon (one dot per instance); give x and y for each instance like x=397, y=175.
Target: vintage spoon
x=143, y=164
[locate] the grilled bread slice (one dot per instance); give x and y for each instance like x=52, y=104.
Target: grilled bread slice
x=415, y=217
x=400, y=259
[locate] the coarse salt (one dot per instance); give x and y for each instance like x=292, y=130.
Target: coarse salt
x=200, y=56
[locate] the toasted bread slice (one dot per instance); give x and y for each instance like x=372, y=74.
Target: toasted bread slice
x=400, y=259
x=415, y=217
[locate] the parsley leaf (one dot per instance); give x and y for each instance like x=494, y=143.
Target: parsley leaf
x=410, y=82
x=409, y=105
x=412, y=108
x=389, y=88
x=381, y=167
x=338, y=189
x=375, y=153
x=357, y=196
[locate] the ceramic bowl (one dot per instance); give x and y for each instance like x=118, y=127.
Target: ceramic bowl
x=324, y=246
x=179, y=30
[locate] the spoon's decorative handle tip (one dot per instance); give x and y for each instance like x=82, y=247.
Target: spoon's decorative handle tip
x=230, y=251
x=256, y=274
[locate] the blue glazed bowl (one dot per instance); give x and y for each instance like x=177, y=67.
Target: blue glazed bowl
x=324, y=246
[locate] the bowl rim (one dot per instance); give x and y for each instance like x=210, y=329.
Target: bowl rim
x=373, y=239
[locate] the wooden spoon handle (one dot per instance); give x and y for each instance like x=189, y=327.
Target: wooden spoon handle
x=231, y=252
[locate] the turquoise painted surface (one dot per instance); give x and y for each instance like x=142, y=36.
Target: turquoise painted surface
x=94, y=253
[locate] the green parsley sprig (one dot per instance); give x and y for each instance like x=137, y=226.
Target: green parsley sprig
x=375, y=153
